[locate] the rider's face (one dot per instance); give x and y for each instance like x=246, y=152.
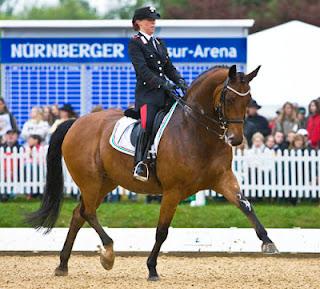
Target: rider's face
x=147, y=25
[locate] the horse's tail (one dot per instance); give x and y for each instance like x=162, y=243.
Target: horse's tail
x=48, y=212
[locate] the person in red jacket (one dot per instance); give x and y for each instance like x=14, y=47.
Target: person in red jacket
x=313, y=124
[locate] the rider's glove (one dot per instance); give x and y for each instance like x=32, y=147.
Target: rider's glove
x=183, y=85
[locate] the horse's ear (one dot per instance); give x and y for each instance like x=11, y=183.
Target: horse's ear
x=253, y=74
x=233, y=72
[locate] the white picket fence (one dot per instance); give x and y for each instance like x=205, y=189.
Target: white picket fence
x=291, y=174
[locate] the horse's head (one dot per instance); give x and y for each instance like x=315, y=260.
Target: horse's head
x=230, y=101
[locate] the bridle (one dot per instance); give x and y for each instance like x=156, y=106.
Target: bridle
x=222, y=121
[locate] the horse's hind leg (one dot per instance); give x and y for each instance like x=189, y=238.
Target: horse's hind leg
x=229, y=187
x=92, y=196
x=75, y=225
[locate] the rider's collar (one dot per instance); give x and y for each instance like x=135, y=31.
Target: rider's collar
x=147, y=36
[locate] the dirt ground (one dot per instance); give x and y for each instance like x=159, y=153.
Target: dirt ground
x=216, y=272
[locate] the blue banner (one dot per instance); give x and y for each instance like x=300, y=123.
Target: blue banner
x=88, y=50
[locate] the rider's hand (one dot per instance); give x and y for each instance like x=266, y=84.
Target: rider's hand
x=183, y=85
x=169, y=86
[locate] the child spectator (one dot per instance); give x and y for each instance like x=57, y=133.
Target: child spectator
x=270, y=142
x=280, y=144
x=298, y=142
x=7, y=120
x=35, y=125
x=313, y=124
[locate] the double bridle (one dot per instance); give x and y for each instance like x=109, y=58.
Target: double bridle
x=222, y=121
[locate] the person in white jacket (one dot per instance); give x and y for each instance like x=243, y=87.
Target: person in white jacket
x=35, y=125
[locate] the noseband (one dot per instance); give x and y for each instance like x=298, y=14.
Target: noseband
x=222, y=121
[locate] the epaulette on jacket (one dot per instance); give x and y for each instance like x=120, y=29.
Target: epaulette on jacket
x=138, y=37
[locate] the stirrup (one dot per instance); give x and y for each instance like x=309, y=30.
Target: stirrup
x=137, y=176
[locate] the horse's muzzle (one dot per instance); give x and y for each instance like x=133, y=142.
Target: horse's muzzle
x=233, y=139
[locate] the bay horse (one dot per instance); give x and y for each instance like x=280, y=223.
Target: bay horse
x=195, y=153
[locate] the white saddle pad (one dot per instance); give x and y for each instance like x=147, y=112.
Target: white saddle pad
x=120, y=137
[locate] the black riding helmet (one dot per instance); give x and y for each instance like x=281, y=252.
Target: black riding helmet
x=145, y=13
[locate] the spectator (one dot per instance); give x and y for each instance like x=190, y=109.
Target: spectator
x=48, y=115
x=255, y=122
x=304, y=133
x=35, y=125
x=270, y=142
x=313, y=124
x=7, y=120
x=290, y=138
x=55, y=112
x=298, y=142
x=280, y=143
x=65, y=112
x=258, y=143
x=287, y=120
x=301, y=116
x=33, y=145
x=10, y=139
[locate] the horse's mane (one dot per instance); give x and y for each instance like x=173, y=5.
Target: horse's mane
x=211, y=69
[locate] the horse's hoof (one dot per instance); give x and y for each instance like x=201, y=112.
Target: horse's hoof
x=60, y=272
x=269, y=248
x=107, y=256
x=153, y=278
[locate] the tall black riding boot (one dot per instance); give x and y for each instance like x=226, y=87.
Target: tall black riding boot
x=141, y=171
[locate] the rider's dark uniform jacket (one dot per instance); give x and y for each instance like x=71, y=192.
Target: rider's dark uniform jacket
x=151, y=66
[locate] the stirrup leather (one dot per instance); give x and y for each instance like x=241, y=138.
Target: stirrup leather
x=138, y=177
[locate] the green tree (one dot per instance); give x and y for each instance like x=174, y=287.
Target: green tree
x=7, y=8
x=66, y=9
x=126, y=10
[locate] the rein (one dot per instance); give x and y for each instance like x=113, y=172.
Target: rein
x=220, y=110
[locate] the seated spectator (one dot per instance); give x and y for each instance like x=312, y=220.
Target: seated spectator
x=10, y=140
x=270, y=143
x=290, y=138
x=280, y=143
x=313, y=124
x=34, y=141
x=65, y=112
x=304, y=133
x=258, y=143
x=298, y=143
x=7, y=120
x=287, y=120
x=301, y=116
x=255, y=122
x=35, y=125
x=33, y=145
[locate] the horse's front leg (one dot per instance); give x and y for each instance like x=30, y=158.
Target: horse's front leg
x=228, y=186
x=169, y=203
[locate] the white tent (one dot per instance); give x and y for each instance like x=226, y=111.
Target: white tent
x=290, y=59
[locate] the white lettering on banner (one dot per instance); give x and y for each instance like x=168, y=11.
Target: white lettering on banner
x=118, y=50
x=67, y=50
x=203, y=52
x=52, y=50
x=16, y=51
x=63, y=50
x=95, y=50
x=84, y=50
x=39, y=49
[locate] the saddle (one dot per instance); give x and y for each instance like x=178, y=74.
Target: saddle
x=127, y=130
x=137, y=128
